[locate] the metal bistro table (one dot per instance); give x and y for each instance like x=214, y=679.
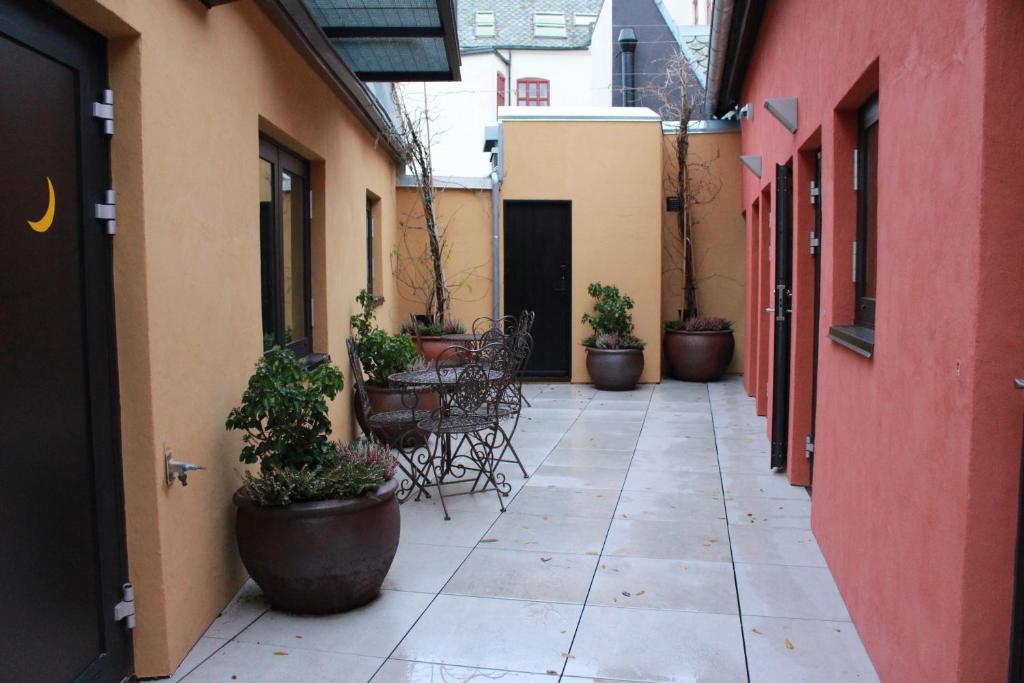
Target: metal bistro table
x=453, y=466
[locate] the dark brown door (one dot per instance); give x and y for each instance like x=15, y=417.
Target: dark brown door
x=783, y=325
x=538, y=277
x=61, y=529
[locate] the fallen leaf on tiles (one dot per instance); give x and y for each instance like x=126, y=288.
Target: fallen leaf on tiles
x=789, y=644
x=591, y=552
x=489, y=540
x=756, y=631
x=545, y=559
x=552, y=672
x=750, y=514
x=627, y=594
x=546, y=518
x=299, y=637
x=639, y=593
x=280, y=653
x=568, y=656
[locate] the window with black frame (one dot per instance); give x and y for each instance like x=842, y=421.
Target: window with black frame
x=866, y=263
x=285, y=250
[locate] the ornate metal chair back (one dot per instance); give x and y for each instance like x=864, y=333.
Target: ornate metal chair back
x=478, y=383
x=357, y=377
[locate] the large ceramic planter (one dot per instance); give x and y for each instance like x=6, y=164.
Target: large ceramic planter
x=431, y=348
x=698, y=356
x=387, y=399
x=321, y=557
x=615, y=369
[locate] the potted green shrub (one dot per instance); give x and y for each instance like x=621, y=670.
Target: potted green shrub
x=615, y=358
x=382, y=355
x=698, y=349
x=318, y=524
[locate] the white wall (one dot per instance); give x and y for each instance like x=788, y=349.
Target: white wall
x=458, y=113
x=601, y=58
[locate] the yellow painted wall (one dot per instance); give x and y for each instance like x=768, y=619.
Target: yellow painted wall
x=719, y=235
x=611, y=172
x=194, y=90
x=466, y=217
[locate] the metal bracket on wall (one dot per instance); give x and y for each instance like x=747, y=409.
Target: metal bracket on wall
x=176, y=469
x=815, y=192
x=125, y=609
x=815, y=242
x=856, y=172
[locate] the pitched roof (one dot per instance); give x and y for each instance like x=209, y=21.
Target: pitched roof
x=513, y=24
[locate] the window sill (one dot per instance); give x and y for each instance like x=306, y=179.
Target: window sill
x=314, y=360
x=857, y=338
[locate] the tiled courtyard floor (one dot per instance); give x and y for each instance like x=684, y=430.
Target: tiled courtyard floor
x=619, y=559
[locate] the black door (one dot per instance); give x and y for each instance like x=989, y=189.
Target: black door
x=538, y=277
x=61, y=526
x=783, y=287
x=1016, y=674
x=816, y=242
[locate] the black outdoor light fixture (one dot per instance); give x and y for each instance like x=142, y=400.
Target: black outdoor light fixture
x=627, y=43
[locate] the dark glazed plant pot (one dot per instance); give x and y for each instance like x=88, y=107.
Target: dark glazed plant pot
x=386, y=399
x=615, y=369
x=698, y=356
x=321, y=557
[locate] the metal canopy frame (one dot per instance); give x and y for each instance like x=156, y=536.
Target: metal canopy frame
x=392, y=40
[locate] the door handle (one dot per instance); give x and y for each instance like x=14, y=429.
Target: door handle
x=560, y=287
x=770, y=309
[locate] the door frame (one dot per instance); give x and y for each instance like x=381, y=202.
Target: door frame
x=816, y=308
x=57, y=36
x=783, y=328
x=567, y=203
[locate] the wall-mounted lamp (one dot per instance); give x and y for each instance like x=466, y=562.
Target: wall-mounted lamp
x=784, y=109
x=752, y=162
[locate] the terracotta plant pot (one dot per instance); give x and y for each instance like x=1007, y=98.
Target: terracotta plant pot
x=698, y=356
x=615, y=369
x=321, y=557
x=432, y=347
x=386, y=399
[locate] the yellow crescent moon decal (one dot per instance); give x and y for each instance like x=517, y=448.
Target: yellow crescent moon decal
x=44, y=223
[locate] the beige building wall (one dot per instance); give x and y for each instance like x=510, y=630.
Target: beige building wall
x=611, y=171
x=465, y=215
x=194, y=90
x=719, y=234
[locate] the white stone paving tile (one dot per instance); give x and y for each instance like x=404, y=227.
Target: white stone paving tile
x=625, y=509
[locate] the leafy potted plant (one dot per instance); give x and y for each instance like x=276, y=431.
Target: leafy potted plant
x=318, y=524
x=615, y=358
x=382, y=355
x=699, y=349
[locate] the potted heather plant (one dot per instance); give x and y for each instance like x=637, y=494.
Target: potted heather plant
x=382, y=355
x=698, y=349
x=615, y=357
x=318, y=523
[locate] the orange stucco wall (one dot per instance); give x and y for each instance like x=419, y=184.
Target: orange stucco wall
x=718, y=235
x=194, y=90
x=465, y=215
x=611, y=172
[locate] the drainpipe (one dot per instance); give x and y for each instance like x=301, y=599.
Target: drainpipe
x=495, y=256
x=721, y=23
x=627, y=45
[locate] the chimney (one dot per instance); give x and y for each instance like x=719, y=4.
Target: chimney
x=627, y=44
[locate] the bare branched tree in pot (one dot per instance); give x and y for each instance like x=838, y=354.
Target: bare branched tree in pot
x=414, y=129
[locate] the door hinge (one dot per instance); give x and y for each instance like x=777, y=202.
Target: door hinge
x=854, y=272
x=107, y=211
x=815, y=242
x=104, y=110
x=856, y=173
x=125, y=610
x=809, y=446
x=815, y=192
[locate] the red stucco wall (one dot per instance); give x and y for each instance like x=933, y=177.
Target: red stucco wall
x=918, y=448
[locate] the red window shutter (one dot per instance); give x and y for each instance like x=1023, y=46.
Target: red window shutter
x=501, y=89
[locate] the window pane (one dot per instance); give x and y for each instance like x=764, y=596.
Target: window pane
x=871, y=233
x=267, y=265
x=293, y=246
x=533, y=89
x=522, y=89
x=544, y=91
